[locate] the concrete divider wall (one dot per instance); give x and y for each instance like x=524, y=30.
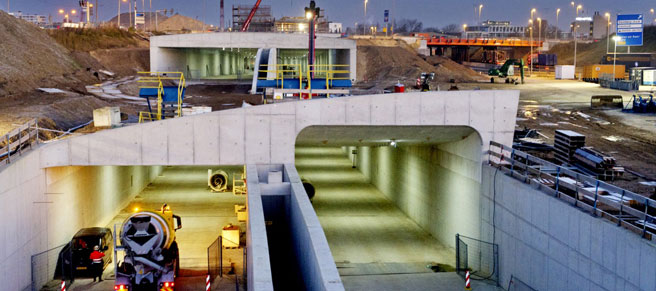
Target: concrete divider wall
x=552, y=245
x=43, y=208
x=258, y=263
x=436, y=186
x=318, y=267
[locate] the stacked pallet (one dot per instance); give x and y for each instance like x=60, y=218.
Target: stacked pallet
x=565, y=145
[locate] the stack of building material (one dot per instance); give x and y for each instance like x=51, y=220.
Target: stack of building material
x=565, y=145
x=598, y=164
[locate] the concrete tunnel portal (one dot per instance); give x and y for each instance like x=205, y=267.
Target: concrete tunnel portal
x=390, y=199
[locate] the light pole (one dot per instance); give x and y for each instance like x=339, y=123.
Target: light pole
x=464, y=30
x=61, y=11
x=616, y=39
x=480, y=9
x=607, y=32
x=557, y=15
x=364, y=24
x=530, y=57
x=539, y=29
x=576, y=39
x=652, y=15
x=164, y=10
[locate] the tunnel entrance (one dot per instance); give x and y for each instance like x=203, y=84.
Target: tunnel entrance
x=391, y=198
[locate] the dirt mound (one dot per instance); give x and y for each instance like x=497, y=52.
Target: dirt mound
x=79, y=39
x=28, y=56
x=388, y=64
x=124, y=61
x=151, y=18
x=180, y=23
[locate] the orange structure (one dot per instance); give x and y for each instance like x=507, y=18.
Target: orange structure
x=442, y=41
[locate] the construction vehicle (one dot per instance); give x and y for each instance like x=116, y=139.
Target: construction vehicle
x=507, y=70
x=247, y=23
x=422, y=81
x=151, y=260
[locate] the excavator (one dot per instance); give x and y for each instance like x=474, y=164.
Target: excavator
x=507, y=70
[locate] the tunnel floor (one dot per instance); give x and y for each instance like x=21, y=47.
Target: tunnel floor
x=367, y=233
x=203, y=215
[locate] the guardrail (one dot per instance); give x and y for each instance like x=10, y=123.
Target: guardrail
x=16, y=141
x=625, y=208
x=479, y=257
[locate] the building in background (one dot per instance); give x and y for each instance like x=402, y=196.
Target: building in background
x=495, y=29
x=263, y=20
x=38, y=20
x=595, y=27
x=334, y=27
x=300, y=24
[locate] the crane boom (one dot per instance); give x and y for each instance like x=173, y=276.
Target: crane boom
x=247, y=23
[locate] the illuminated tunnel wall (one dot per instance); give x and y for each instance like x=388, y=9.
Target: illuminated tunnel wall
x=437, y=186
x=44, y=207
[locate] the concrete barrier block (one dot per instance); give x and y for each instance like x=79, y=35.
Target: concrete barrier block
x=647, y=266
x=408, y=109
x=258, y=139
x=231, y=140
x=307, y=114
x=181, y=141
x=481, y=103
x=79, y=150
x=54, y=154
x=154, y=143
x=283, y=137
x=358, y=111
x=334, y=112
x=432, y=109
x=206, y=139
x=457, y=108
x=383, y=109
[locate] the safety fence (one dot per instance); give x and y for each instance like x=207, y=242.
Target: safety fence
x=624, y=208
x=478, y=257
x=216, y=267
x=51, y=267
x=517, y=285
x=18, y=140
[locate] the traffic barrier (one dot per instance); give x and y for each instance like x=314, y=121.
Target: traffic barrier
x=63, y=285
x=207, y=283
x=467, y=281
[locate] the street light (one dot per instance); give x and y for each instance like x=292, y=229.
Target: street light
x=616, y=39
x=364, y=29
x=557, y=14
x=607, y=32
x=464, y=30
x=480, y=8
x=530, y=57
x=539, y=29
x=118, y=21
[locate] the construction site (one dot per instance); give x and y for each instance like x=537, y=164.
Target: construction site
x=268, y=146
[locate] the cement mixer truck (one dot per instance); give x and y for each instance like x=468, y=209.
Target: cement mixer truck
x=151, y=260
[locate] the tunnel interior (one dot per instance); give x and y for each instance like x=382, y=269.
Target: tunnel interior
x=392, y=198
x=104, y=196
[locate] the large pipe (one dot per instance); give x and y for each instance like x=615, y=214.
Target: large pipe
x=218, y=181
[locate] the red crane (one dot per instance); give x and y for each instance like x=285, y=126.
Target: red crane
x=247, y=23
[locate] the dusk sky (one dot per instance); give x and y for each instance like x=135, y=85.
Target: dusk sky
x=435, y=13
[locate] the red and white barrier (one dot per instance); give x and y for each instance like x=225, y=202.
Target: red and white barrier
x=207, y=283
x=63, y=285
x=467, y=281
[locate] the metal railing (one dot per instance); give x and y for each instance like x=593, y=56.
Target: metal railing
x=625, y=208
x=478, y=257
x=17, y=140
x=215, y=264
x=53, y=264
x=155, y=79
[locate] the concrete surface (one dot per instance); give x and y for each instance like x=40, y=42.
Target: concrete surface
x=361, y=224
x=551, y=245
x=422, y=281
x=203, y=215
x=267, y=134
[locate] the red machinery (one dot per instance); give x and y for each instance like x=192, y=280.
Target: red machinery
x=247, y=23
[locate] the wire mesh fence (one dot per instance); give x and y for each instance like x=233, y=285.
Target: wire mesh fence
x=53, y=264
x=215, y=259
x=517, y=285
x=478, y=257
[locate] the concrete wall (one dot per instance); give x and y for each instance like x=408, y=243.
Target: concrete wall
x=160, y=60
x=552, y=245
x=267, y=134
x=436, y=186
x=44, y=208
x=258, y=264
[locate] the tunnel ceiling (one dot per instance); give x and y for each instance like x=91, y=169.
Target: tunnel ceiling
x=380, y=135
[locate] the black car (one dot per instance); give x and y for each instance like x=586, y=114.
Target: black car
x=79, y=250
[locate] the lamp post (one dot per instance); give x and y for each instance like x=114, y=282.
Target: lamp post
x=464, y=30
x=530, y=57
x=312, y=13
x=539, y=29
x=650, y=10
x=576, y=25
x=557, y=15
x=607, y=32
x=480, y=9
x=364, y=24
x=615, y=39
x=61, y=11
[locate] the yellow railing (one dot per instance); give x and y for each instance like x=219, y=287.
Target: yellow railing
x=281, y=70
x=329, y=70
x=156, y=79
x=146, y=116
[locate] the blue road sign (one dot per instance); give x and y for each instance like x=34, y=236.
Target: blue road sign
x=630, y=28
x=386, y=15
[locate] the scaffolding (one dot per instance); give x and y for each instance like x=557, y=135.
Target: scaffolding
x=263, y=20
